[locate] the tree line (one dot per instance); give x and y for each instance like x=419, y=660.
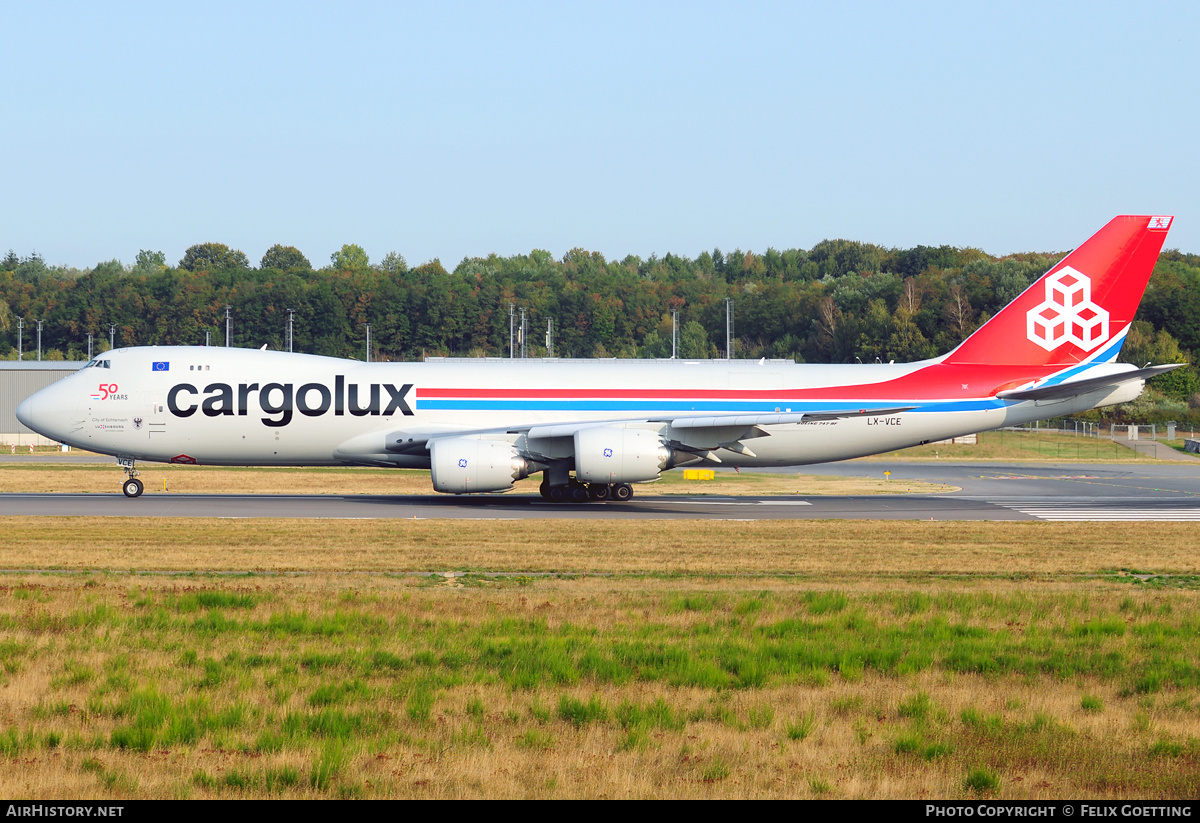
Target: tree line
x=839, y=302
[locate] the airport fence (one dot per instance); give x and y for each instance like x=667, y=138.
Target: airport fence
x=1109, y=431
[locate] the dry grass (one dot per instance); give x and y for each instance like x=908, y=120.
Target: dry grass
x=703, y=547
x=697, y=659
x=373, y=686
x=160, y=478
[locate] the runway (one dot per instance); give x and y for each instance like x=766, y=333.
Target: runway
x=1054, y=492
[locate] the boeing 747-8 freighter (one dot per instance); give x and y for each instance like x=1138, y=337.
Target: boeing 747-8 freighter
x=593, y=428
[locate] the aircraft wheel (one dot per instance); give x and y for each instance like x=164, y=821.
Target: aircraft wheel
x=578, y=494
x=544, y=491
x=133, y=487
x=557, y=494
x=622, y=491
x=600, y=491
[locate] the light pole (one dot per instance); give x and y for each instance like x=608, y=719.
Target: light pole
x=112, y=336
x=228, y=309
x=674, y=336
x=368, y=342
x=39, y=322
x=510, y=331
x=20, y=335
x=291, y=317
x=521, y=334
x=89, y=346
x=728, y=329
x=549, y=338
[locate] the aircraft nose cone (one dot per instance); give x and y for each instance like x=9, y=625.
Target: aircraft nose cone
x=27, y=410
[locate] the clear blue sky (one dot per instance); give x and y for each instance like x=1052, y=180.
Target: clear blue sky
x=459, y=129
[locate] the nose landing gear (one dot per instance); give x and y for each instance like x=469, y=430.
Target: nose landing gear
x=132, y=487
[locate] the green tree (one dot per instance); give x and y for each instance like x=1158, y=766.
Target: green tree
x=1172, y=300
x=906, y=343
x=110, y=268
x=32, y=267
x=394, y=263
x=285, y=258
x=875, y=332
x=1145, y=345
x=350, y=257
x=213, y=257
x=693, y=342
x=837, y=258
x=150, y=262
x=654, y=346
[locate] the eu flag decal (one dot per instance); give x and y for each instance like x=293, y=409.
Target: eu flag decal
x=160, y=365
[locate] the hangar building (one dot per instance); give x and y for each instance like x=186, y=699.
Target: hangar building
x=18, y=380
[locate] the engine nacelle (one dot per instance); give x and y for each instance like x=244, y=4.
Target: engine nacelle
x=462, y=465
x=610, y=454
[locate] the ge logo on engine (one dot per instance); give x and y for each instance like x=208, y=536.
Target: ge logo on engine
x=462, y=462
x=608, y=452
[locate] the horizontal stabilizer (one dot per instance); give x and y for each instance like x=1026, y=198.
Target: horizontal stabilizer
x=1078, y=387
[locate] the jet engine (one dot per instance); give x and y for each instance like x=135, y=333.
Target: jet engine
x=611, y=454
x=462, y=465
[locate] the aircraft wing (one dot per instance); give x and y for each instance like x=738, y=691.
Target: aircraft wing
x=1075, y=388
x=701, y=435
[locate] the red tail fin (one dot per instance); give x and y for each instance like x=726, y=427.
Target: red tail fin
x=1081, y=309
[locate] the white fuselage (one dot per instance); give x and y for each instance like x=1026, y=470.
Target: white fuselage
x=221, y=406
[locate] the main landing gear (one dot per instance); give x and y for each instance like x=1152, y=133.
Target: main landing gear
x=132, y=486
x=578, y=492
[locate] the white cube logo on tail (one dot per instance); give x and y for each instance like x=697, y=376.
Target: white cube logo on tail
x=1068, y=314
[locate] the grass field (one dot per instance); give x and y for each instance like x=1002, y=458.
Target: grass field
x=1024, y=447
x=192, y=658
x=702, y=659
